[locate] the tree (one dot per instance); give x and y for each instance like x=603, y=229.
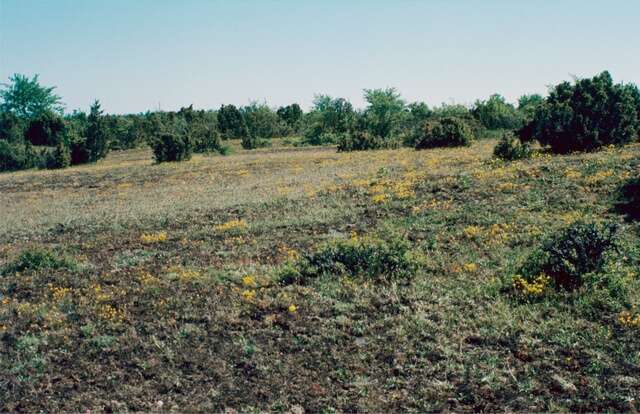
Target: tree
x=231, y=123
x=584, y=116
x=262, y=121
x=527, y=105
x=385, y=112
x=11, y=127
x=291, y=115
x=45, y=129
x=27, y=98
x=97, y=134
x=496, y=113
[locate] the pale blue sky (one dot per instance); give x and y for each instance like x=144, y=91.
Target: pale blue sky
x=134, y=55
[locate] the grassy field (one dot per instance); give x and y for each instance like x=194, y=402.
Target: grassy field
x=162, y=292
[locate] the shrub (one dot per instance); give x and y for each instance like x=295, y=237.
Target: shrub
x=231, y=122
x=510, y=148
x=585, y=116
x=208, y=141
x=16, y=156
x=59, y=157
x=357, y=257
x=446, y=132
x=496, y=113
x=38, y=259
x=172, y=147
x=629, y=199
x=45, y=129
x=571, y=256
x=363, y=140
x=97, y=134
x=250, y=142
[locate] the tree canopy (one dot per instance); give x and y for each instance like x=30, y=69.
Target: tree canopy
x=27, y=98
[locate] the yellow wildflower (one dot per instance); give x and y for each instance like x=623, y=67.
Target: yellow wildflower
x=154, y=237
x=293, y=308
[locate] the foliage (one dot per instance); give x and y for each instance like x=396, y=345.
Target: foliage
x=510, y=148
x=367, y=257
x=46, y=128
x=569, y=256
x=56, y=158
x=528, y=104
x=385, y=112
x=97, y=134
x=253, y=142
x=201, y=126
x=329, y=118
x=445, y=132
x=11, y=127
x=629, y=199
x=263, y=122
x=292, y=116
x=364, y=140
x=27, y=98
x=16, y=156
x=585, y=116
x=496, y=113
x=172, y=147
x=231, y=122
x=38, y=259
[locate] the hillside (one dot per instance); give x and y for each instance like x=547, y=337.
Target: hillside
x=162, y=287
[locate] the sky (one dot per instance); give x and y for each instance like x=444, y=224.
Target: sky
x=138, y=55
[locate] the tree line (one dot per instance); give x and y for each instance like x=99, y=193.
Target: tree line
x=584, y=115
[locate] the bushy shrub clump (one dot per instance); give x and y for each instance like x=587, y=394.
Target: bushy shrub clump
x=59, y=157
x=358, y=257
x=629, y=199
x=585, y=116
x=208, y=141
x=569, y=257
x=38, y=259
x=172, y=147
x=363, y=141
x=445, y=132
x=250, y=142
x=510, y=149
x=16, y=156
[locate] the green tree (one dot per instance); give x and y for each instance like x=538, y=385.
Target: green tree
x=497, y=113
x=45, y=129
x=291, y=115
x=97, y=142
x=11, y=127
x=231, y=123
x=27, y=98
x=584, y=116
x=527, y=105
x=385, y=111
x=262, y=121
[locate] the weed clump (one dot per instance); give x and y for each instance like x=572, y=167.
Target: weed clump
x=356, y=257
x=510, y=149
x=38, y=259
x=571, y=258
x=445, y=132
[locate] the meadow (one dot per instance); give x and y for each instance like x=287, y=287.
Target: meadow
x=161, y=288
